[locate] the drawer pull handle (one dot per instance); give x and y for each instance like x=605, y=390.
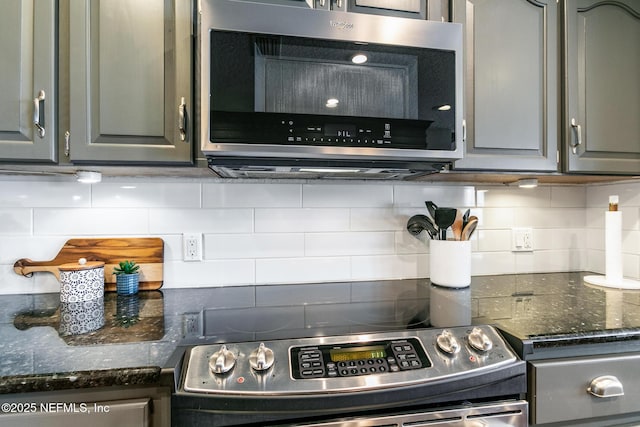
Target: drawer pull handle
x=606, y=386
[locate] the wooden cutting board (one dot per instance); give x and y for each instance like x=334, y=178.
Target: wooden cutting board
x=146, y=251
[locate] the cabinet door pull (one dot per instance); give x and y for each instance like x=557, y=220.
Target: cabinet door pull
x=38, y=119
x=67, y=146
x=182, y=120
x=606, y=386
x=464, y=131
x=578, y=141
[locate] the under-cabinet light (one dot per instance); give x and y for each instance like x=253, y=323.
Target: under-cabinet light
x=528, y=183
x=88, y=177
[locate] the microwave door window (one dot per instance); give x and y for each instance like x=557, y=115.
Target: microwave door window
x=322, y=84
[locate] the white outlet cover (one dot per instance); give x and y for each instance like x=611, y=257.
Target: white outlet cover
x=522, y=239
x=192, y=247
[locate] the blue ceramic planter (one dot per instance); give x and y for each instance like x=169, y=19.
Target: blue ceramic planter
x=127, y=284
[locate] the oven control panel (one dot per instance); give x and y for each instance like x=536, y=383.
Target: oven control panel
x=346, y=363
x=347, y=360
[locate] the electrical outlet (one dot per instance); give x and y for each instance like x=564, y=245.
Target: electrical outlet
x=192, y=247
x=522, y=240
x=191, y=324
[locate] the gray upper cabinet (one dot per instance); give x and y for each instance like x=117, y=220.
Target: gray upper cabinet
x=129, y=82
x=511, y=84
x=602, y=81
x=27, y=82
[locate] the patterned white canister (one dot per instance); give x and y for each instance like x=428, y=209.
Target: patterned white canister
x=81, y=317
x=81, y=281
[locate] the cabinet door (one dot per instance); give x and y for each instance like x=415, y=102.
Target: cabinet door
x=511, y=84
x=122, y=413
x=130, y=81
x=602, y=121
x=27, y=52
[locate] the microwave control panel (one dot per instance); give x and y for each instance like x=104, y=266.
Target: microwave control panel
x=322, y=130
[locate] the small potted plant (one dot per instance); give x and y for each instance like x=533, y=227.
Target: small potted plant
x=127, y=277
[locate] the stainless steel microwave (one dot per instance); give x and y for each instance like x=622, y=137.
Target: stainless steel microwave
x=301, y=92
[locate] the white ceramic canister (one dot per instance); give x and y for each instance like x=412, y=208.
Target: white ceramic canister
x=81, y=281
x=450, y=263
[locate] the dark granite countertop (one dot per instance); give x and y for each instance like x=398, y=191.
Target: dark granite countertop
x=534, y=309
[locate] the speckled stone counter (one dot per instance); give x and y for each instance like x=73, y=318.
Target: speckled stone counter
x=535, y=308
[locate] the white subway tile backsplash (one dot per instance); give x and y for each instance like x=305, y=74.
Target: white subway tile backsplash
x=44, y=194
x=550, y=217
x=631, y=242
x=178, y=274
x=495, y=218
x=137, y=194
x=286, y=232
x=574, y=196
x=549, y=261
x=300, y=220
x=559, y=238
x=414, y=195
x=259, y=245
x=390, y=267
x=346, y=195
x=302, y=270
x=15, y=221
x=380, y=219
x=90, y=222
x=487, y=263
x=262, y=195
x=36, y=248
x=339, y=244
x=503, y=197
x=169, y=221
x=409, y=244
x=494, y=240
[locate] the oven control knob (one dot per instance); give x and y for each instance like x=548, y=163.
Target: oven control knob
x=222, y=361
x=447, y=342
x=261, y=358
x=479, y=340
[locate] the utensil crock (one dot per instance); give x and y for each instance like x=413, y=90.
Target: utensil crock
x=450, y=263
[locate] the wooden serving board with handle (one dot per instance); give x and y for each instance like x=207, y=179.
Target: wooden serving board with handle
x=148, y=252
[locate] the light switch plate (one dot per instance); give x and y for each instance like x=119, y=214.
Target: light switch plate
x=522, y=239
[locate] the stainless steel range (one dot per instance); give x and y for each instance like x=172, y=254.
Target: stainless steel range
x=462, y=376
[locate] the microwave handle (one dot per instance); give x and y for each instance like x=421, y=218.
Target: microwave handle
x=182, y=120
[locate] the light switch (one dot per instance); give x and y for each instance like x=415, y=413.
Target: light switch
x=522, y=239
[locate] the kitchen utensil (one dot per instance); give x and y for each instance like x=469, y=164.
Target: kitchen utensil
x=81, y=281
x=431, y=208
x=457, y=225
x=418, y=223
x=468, y=230
x=465, y=218
x=146, y=251
x=444, y=218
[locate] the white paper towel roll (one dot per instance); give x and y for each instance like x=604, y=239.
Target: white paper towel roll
x=613, y=246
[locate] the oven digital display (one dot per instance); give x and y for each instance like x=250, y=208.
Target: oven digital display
x=357, y=353
x=341, y=131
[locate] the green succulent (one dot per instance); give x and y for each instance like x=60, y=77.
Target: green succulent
x=126, y=267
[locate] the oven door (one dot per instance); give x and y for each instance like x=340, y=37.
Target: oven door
x=497, y=414
x=293, y=82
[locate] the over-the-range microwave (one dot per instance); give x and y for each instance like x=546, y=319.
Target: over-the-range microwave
x=299, y=92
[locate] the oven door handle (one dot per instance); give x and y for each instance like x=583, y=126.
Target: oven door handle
x=606, y=386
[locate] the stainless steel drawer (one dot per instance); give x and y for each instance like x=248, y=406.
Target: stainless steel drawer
x=581, y=388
